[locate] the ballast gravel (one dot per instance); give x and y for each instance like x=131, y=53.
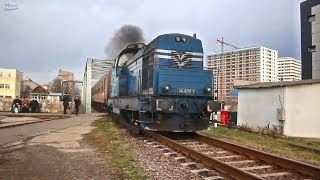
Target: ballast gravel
x=154, y=164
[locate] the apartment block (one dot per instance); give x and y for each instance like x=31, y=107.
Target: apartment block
x=289, y=69
x=251, y=64
x=310, y=39
x=10, y=83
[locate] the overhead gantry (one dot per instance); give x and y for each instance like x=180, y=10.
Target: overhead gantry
x=95, y=69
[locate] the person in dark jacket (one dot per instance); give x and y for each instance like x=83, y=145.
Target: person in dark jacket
x=34, y=105
x=77, y=103
x=16, y=102
x=65, y=100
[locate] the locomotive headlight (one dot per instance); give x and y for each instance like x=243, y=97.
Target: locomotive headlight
x=178, y=38
x=184, y=39
x=166, y=88
x=207, y=90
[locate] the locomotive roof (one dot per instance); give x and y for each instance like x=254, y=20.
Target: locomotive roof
x=165, y=41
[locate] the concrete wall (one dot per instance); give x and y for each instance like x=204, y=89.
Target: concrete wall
x=258, y=107
x=302, y=111
x=45, y=106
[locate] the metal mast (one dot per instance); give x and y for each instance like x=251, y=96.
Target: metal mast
x=223, y=65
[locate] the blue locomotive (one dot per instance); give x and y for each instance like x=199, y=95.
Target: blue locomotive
x=163, y=85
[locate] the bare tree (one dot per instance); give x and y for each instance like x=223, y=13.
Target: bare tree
x=55, y=85
x=25, y=91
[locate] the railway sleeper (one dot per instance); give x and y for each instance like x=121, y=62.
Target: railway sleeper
x=191, y=165
x=165, y=150
x=253, y=168
x=201, y=172
x=147, y=140
x=152, y=143
x=244, y=162
x=213, y=178
x=277, y=174
x=231, y=157
x=158, y=146
x=180, y=159
x=170, y=154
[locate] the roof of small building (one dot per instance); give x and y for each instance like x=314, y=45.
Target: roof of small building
x=55, y=94
x=39, y=90
x=278, y=84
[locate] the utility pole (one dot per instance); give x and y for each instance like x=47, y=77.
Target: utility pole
x=222, y=42
x=220, y=72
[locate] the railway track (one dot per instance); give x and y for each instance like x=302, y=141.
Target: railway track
x=227, y=160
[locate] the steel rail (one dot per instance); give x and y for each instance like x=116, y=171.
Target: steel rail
x=296, y=166
x=215, y=164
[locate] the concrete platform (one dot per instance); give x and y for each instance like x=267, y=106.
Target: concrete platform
x=10, y=114
x=8, y=119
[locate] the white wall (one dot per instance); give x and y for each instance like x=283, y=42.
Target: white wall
x=302, y=111
x=258, y=107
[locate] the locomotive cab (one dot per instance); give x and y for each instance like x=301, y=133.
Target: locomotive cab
x=125, y=55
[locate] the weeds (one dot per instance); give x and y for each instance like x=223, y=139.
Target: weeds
x=108, y=139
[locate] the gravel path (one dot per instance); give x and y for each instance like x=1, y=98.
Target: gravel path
x=154, y=164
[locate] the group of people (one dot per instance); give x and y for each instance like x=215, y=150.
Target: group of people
x=25, y=105
x=66, y=100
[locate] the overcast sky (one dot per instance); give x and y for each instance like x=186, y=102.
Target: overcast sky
x=40, y=37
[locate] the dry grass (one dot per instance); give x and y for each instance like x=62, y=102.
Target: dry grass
x=107, y=138
x=306, y=150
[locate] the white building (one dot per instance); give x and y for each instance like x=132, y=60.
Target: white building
x=290, y=106
x=289, y=69
x=250, y=64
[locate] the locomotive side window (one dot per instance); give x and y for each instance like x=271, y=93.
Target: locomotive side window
x=147, y=71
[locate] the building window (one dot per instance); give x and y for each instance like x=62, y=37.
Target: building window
x=1, y=74
x=1, y=96
x=7, y=86
x=312, y=18
x=7, y=97
x=1, y=86
x=35, y=96
x=43, y=96
x=312, y=48
x=9, y=75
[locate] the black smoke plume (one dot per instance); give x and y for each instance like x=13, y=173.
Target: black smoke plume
x=127, y=34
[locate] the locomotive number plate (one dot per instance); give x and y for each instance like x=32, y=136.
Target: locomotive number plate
x=186, y=91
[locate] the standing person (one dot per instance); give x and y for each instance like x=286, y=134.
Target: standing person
x=65, y=100
x=25, y=105
x=77, y=103
x=34, y=105
x=16, y=104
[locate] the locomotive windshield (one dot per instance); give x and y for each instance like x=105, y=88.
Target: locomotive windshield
x=124, y=58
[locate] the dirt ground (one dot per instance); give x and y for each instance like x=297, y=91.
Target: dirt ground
x=57, y=154
x=45, y=162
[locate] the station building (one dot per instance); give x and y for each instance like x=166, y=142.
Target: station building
x=291, y=107
x=10, y=83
